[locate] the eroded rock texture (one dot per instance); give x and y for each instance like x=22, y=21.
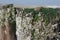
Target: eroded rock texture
x=30, y=29
x=6, y=22
x=29, y=23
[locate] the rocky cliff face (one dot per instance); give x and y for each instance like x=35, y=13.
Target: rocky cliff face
x=7, y=18
x=31, y=28
x=30, y=24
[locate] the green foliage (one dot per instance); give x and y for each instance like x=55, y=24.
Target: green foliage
x=35, y=17
x=34, y=14
x=28, y=10
x=48, y=14
x=32, y=34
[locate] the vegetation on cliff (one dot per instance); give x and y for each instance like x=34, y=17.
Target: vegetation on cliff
x=48, y=14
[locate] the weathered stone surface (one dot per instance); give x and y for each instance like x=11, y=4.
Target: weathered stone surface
x=26, y=27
